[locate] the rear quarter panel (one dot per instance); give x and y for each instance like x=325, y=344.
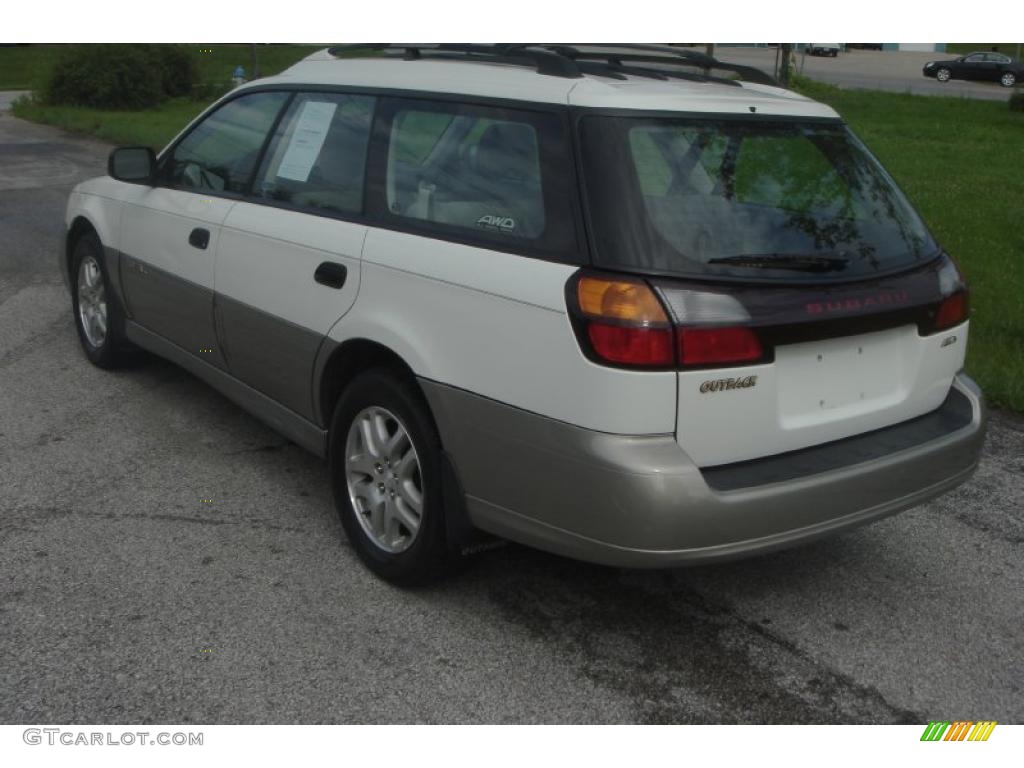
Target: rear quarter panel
x=495, y=324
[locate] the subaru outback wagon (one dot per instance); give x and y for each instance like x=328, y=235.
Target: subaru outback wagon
x=598, y=300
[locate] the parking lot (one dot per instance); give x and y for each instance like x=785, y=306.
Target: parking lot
x=166, y=558
x=898, y=71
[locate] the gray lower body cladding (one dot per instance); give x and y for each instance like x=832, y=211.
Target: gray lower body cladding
x=639, y=501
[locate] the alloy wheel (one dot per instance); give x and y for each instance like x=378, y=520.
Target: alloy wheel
x=92, y=302
x=384, y=479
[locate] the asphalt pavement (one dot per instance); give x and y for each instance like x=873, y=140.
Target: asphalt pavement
x=126, y=597
x=898, y=71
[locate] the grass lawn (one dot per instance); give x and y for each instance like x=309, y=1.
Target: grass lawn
x=959, y=49
x=28, y=67
x=24, y=67
x=153, y=128
x=961, y=162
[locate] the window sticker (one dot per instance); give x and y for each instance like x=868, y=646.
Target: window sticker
x=307, y=140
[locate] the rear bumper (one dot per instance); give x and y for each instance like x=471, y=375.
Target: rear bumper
x=639, y=501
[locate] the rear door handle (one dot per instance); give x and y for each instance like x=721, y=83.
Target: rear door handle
x=331, y=274
x=199, y=238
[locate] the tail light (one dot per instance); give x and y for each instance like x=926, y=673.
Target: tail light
x=952, y=311
x=717, y=346
x=622, y=322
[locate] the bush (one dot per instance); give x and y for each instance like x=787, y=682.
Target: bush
x=120, y=76
x=178, y=68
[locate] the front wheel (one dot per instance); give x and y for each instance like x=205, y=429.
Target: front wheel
x=943, y=75
x=1008, y=80
x=98, y=316
x=385, y=463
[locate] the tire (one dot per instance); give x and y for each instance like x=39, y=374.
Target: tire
x=943, y=75
x=376, y=488
x=1008, y=80
x=99, y=319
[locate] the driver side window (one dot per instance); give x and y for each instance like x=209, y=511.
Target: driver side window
x=220, y=153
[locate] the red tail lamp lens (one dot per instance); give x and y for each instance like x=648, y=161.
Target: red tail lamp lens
x=718, y=346
x=632, y=346
x=952, y=311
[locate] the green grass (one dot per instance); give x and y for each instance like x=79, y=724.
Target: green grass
x=24, y=67
x=961, y=162
x=28, y=67
x=959, y=49
x=152, y=128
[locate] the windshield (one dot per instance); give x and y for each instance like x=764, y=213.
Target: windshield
x=744, y=199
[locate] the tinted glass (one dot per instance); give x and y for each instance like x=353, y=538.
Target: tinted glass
x=221, y=152
x=475, y=172
x=677, y=197
x=318, y=157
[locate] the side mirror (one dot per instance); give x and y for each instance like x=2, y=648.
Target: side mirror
x=136, y=165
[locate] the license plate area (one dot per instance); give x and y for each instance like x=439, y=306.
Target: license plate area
x=832, y=379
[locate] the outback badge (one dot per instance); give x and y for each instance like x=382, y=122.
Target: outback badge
x=718, y=385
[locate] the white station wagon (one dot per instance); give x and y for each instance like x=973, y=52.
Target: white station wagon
x=598, y=300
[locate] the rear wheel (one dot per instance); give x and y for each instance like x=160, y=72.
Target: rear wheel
x=385, y=463
x=1008, y=80
x=98, y=316
x=943, y=75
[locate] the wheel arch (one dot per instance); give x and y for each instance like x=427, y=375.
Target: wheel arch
x=80, y=226
x=337, y=367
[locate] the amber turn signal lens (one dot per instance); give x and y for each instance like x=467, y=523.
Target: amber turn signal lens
x=624, y=300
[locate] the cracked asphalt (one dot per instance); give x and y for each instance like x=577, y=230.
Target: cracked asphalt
x=124, y=598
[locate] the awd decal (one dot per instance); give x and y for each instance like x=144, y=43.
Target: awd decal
x=960, y=730
x=501, y=223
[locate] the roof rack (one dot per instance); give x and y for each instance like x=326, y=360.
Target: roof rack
x=615, y=61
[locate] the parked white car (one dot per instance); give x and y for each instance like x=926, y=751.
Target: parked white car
x=597, y=302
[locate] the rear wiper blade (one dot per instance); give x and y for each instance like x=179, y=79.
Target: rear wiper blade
x=807, y=263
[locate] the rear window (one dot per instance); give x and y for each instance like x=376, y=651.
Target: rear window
x=740, y=198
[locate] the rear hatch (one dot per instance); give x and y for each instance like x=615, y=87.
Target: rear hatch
x=807, y=300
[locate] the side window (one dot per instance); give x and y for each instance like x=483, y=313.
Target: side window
x=318, y=156
x=475, y=170
x=220, y=153
x=975, y=58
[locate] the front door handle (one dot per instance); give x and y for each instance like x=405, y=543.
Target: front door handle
x=331, y=274
x=199, y=238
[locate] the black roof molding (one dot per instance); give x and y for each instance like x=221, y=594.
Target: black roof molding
x=616, y=61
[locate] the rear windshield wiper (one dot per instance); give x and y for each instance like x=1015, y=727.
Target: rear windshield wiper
x=808, y=263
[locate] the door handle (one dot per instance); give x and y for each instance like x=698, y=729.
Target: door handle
x=331, y=274
x=199, y=238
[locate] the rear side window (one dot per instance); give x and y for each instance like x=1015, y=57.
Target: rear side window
x=480, y=173
x=317, y=159
x=220, y=153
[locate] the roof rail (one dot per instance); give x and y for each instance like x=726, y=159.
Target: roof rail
x=616, y=61
x=544, y=61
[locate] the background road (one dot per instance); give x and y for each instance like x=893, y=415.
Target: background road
x=125, y=598
x=898, y=71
